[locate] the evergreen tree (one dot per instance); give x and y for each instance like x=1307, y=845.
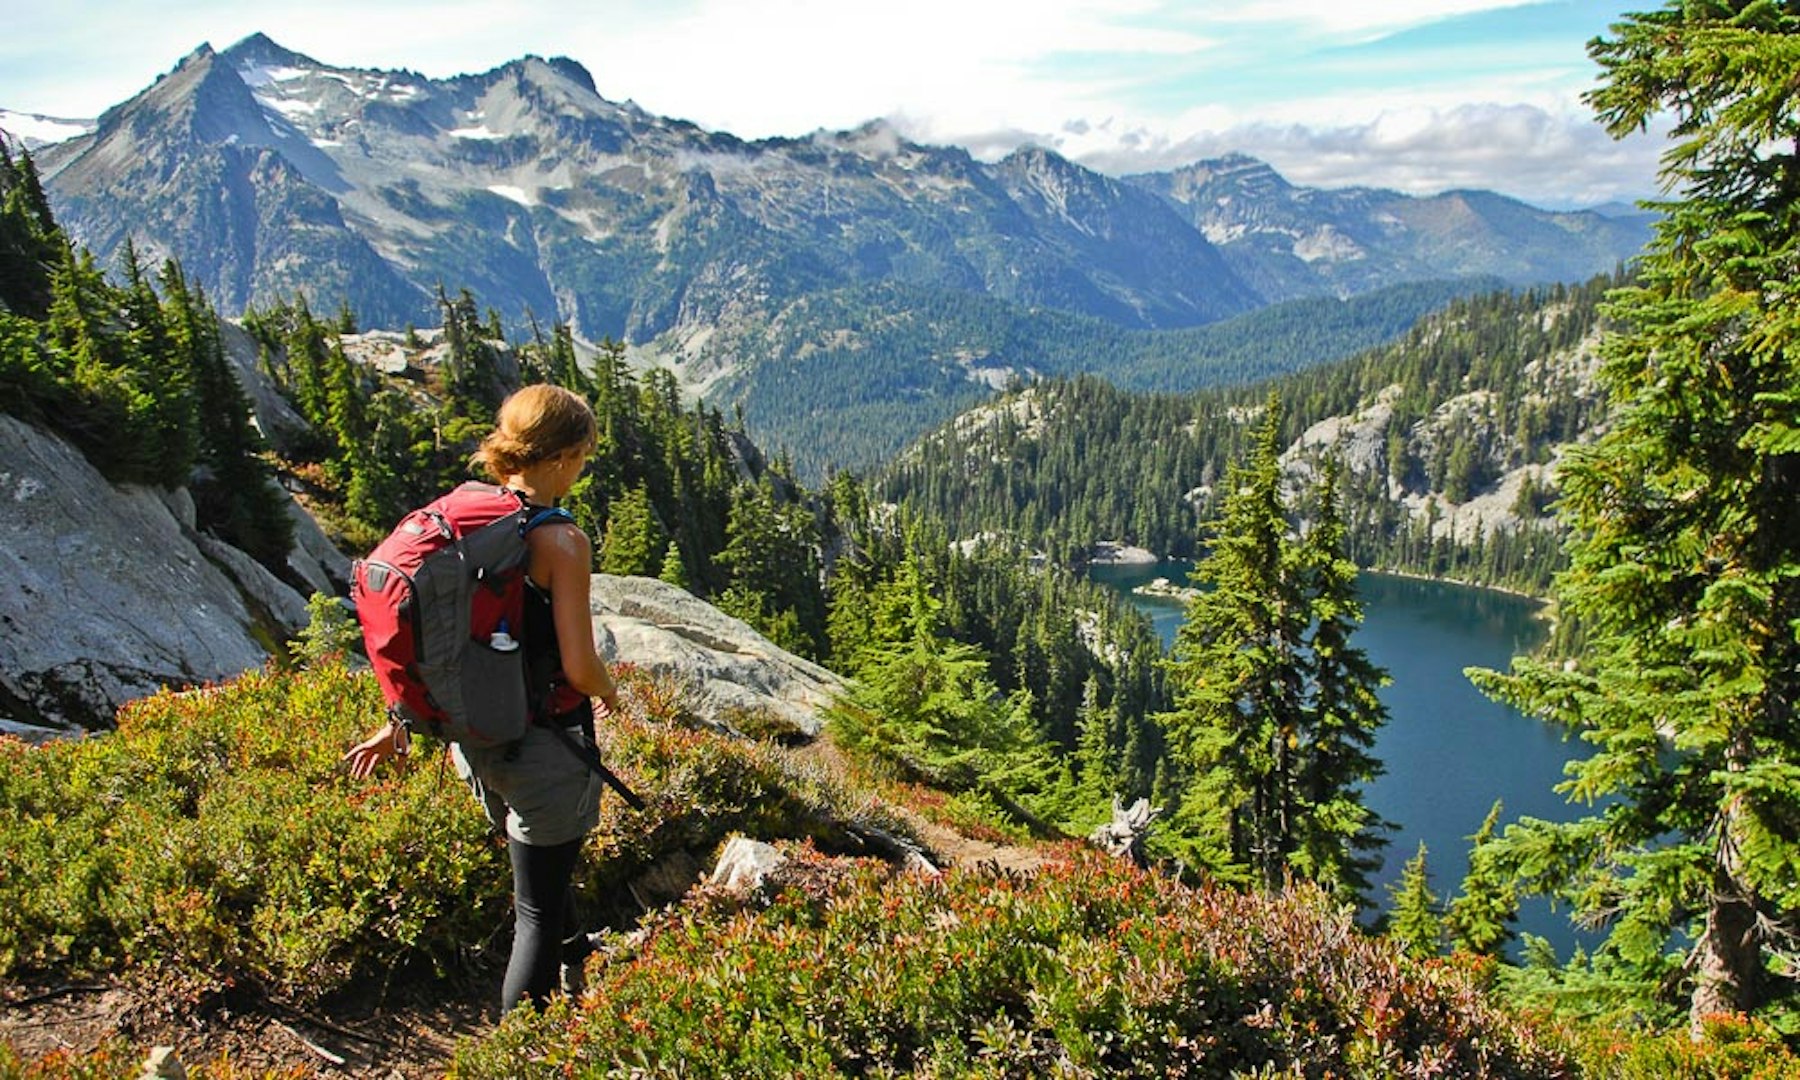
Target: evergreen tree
x=926, y=703
x=1338, y=837
x=1275, y=709
x=1684, y=581
x=673, y=570
x=235, y=492
x=1481, y=919
x=30, y=241
x=633, y=543
x=1236, y=669
x=1413, y=923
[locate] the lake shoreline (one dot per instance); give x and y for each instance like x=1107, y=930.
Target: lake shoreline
x=1413, y=575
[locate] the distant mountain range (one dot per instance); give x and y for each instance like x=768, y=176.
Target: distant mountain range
x=268, y=174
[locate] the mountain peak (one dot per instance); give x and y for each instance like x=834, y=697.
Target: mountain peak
x=261, y=50
x=574, y=72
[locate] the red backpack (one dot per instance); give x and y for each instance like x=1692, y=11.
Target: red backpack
x=442, y=604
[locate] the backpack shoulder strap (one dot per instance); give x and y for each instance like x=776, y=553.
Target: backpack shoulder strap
x=547, y=516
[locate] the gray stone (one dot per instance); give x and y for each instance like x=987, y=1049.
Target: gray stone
x=275, y=418
x=314, y=558
x=666, y=629
x=745, y=865
x=104, y=596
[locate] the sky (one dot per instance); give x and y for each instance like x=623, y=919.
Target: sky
x=1417, y=95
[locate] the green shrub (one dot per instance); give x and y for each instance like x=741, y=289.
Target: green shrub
x=703, y=787
x=1091, y=968
x=1731, y=1046
x=215, y=837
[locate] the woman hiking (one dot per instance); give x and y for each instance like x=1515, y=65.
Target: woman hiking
x=537, y=791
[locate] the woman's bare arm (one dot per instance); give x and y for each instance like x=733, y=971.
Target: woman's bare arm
x=560, y=558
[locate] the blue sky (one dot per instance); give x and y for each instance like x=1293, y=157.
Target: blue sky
x=1419, y=95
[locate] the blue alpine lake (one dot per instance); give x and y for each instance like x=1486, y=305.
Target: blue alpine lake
x=1449, y=752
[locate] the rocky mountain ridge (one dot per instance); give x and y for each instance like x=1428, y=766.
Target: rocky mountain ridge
x=268, y=173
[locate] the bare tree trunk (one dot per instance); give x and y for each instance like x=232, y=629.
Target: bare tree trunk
x=1728, y=957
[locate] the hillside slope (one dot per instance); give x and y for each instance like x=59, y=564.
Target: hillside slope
x=344, y=920
x=1448, y=437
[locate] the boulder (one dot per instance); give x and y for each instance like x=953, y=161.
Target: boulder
x=666, y=629
x=745, y=865
x=105, y=596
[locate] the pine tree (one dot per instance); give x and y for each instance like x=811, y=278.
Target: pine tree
x=1275, y=710
x=673, y=570
x=167, y=369
x=1481, y=919
x=633, y=543
x=30, y=241
x=1236, y=669
x=1684, y=580
x=1338, y=837
x=926, y=703
x=1413, y=923
x=235, y=495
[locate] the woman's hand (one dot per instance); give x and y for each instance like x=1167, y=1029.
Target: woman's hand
x=365, y=756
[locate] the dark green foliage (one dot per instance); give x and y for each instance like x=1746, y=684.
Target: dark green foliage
x=30, y=242
x=1684, y=583
x=1480, y=920
x=633, y=543
x=1414, y=923
x=136, y=378
x=771, y=563
x=878, y=364
x=1337, y=840
x=1275, y=710
x=925, y=702
x=1060, y=677
x=234, y=490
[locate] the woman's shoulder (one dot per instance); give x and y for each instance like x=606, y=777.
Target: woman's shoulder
x=557, y=534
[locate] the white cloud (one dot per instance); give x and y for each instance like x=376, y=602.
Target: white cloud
x=1550, y=158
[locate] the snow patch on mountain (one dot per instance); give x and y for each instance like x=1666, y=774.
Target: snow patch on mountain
x=34, y=130
x=516, y=194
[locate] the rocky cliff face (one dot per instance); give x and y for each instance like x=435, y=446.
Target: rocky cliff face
x=107, y=594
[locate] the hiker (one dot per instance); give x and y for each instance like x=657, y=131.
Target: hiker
x=537, y=791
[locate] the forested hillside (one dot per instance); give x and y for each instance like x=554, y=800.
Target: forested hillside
x=1445, y=437
x=880, y=364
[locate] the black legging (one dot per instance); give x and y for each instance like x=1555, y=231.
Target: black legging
x=543, y=904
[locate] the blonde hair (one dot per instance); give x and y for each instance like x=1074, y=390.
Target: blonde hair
x=535, y=423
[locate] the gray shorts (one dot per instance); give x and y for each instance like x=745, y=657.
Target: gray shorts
x=538, y=792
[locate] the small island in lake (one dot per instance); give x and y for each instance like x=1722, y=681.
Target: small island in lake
x=1163, y=587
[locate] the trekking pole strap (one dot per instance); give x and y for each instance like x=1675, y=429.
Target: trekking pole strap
x=590, y=756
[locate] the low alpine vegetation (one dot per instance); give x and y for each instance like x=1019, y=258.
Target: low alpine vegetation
x=214, y=838
x=1088, y=968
